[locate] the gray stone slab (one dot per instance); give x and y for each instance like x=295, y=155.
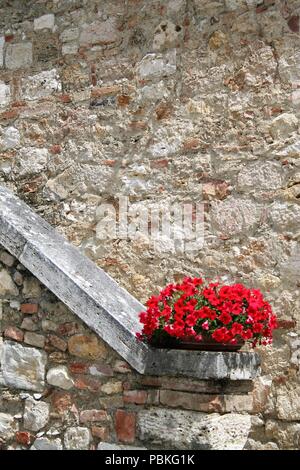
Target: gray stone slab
x=100, y=302
x=23, y=368
x=178, y=429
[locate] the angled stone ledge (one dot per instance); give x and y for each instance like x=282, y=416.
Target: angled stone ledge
x=100, y=302
x=204, y=365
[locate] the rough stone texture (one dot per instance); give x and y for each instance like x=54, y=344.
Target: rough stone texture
x=186, y=430
x=23, y=368
x=18, y=55
x=77, y=438
x=59, y=377
x=36, y=414
x=86, y=346
x=44, y=22
x=34, y=339
x=44, y=443
x=41, y=85
x=8, y=426
x=224, y=106
x=7, y=286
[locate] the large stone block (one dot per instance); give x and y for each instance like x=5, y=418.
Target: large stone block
x=36, y=414
x=59, y=377
x=7, y=285
x=44, y=22
x=31, y=161
x=18, y=55
x=23, y=368
x=77, y=438
x=235, y=216
x=261, y=176
x=44, y=443
x=87, y=346
x=288, y=402
x=283, y=125
x=99, y=32
x=284, y=217
x=157, y=65
x=174, y=429
x=10, y=138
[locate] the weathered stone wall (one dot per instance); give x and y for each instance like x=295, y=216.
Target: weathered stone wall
x=62, y=387
x=167, y=100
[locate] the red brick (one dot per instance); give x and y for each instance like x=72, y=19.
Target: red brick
x=65, y=98
x=152, y=381
x=139, y=397
x=29, y=308
x=14, y=333
x=125, y=423
x=68, y=329
x=91, y=416
x=109, y=162
x=79, y=368
x=159, y=163
x=287, y=324
x=9, y=37
x=123, y=100
x=57, y=342
x=163, y=111
x=100, y=432
x=23, y=438
x=61, y=401
x=55, y=149
x=105, y=91
x=10, y=114
x=138, y=125
x=18, y=104
x=87, y=383
x=293, y=23
x=191, y=144
x=32, y=186
x=261, y=9
x=192, y=401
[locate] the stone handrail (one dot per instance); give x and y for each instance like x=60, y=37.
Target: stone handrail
x=100, y=302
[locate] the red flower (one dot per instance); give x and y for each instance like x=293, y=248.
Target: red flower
x=220, y=334
x=247, y=334
x=223, y=312
x=236, y=329
x=225, y=318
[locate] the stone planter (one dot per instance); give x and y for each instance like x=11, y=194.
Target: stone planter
x=207, y=344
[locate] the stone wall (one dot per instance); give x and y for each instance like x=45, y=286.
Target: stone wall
x=62, y=387
x=167, y=100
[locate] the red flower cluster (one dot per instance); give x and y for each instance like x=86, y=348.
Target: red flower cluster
x=193, y=309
